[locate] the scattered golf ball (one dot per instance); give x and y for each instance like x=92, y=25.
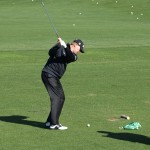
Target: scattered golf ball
x=73, y=24
x=97, y=3
x=120, y=127
x=141, y=14
x=132, y=6
x=88, y=125
x=137, y=18
x=32, y=0
x=80, y=13
x=131, y=13
x=116, y=1
x=128, y=118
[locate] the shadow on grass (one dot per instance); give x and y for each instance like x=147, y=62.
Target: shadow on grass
x=21, y=120
x=131, y=137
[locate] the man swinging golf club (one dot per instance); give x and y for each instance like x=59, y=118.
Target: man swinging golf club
x=60, y=56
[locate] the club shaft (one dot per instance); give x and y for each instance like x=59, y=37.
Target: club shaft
x=50, y=20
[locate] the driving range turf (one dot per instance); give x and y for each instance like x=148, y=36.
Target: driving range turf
x=112, y=78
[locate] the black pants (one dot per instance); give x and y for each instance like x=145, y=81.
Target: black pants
x=57, y=97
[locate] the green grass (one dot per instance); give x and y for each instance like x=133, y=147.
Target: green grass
x=110, y=79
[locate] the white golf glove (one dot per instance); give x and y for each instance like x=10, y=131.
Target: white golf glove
x=62, y=43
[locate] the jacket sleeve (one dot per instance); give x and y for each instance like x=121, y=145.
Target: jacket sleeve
x=71, y=57
x=52, y=52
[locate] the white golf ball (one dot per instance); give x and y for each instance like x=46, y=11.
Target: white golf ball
x=88, y=125
x=128, y=118
x=73, y=24
x=116, y=1
x=131, y=13
x=80, y=13
x=137, y=18
x=97, y=3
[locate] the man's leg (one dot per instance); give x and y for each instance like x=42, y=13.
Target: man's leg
x=44, y=77
x=57, y=97
x=57, y=100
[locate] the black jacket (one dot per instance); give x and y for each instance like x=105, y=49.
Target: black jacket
x=58, y=60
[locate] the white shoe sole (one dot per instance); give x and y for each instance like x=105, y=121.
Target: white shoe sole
x=58, y=127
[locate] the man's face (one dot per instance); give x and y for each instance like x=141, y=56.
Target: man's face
x=75, y=48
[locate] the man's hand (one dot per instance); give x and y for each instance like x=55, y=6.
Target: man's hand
x=62, y=43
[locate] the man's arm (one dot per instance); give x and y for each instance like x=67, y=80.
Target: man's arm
x=71, y=57
x=53, y=50
x=69, y=54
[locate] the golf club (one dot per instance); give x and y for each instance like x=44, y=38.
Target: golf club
x=49, y=18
